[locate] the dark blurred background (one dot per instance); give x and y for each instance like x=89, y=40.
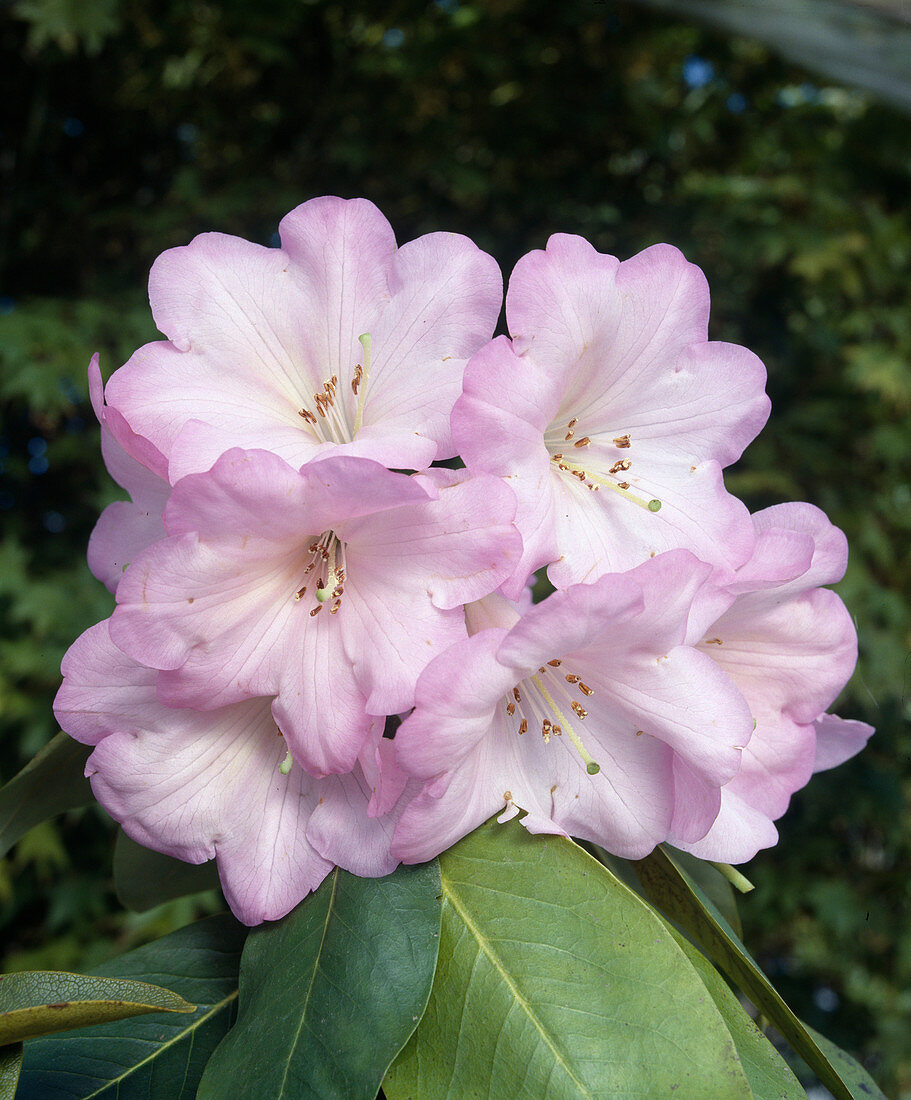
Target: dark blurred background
x=127, y=127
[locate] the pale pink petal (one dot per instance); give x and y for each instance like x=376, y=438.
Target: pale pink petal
x=103, y=689
x=697, y=803
x=456, y=697
x=838, y=739
x=454, y=549
x=123, y=530
x=194, y=785
x=498, y=426
x=739, y=832
x=792, y=656
x=342, y=828
x=830, y=555
x=446, y=296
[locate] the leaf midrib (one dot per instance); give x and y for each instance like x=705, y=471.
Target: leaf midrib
x=303, y=1015
x=157, y=1053
x=485, y=946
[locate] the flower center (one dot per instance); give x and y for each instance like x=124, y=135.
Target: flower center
x=602, y=470
x=543, y=697
x=331, y=418
x=327, y=560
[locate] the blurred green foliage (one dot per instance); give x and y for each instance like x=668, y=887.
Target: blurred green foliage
x=126, y=128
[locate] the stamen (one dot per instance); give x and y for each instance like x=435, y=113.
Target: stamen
x=510, y=709
x=365, y=342
x=307, y=415
x=516, y=695
x=316, y=610
x=622, y=441
x=583, y=442
x=594, y=482
x=555, y=663
x=585, y=689
x=523, y=727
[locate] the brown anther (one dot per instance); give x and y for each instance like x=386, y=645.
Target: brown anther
x=639, y=733
x=516, y=695
x=316, y=610
x=580, y=474
x=585, y=689
x=555, y=663
x=507, y=796
x=324, y=553
x=523, y=726
x=334, y=608
x=337, y=591
x=307, y=415
x=571, y=679
x=545, y=730
x=583, y=442
x=713, y=641
x=320, y=584
x=622, y=440
x=542, y=669
x=556, y=458
x=620, y=464
x=558, y=731
x=314, y=546
x=569, y=435
x=562, y=466
x=300, y=593
x=573, y=422
x=579, y=709
x=510, y=709
x=340, y=573
x=622, y=484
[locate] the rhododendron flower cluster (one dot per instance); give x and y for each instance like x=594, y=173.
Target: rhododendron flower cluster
x=301, y=565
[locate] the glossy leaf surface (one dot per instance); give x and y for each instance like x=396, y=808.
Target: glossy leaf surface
x=330, y=994
x=161, y=1056
x=556, y=980
x=677, y=895
x=40, y=1002
x=144, y=879
x=52, y=782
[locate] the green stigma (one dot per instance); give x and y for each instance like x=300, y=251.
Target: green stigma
x=285, y=766
x=592, y=767
x=654, y=505
x=323, y=594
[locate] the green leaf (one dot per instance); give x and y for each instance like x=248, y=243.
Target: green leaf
x=677, y=895
x=556, y=980
x=38, y=1002
x=161, y=1056
x=769, y=1075
x=144, y=879
x=330, y=994
x=52, y=782
x=10, y=1064
x=714, y=885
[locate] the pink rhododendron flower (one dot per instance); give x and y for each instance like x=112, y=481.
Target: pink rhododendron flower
x=574, y=713
x=124, y=527
x=611, y=413
x=790, y=647
x=215, y=784
x=337, y=341
x=329, y=588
